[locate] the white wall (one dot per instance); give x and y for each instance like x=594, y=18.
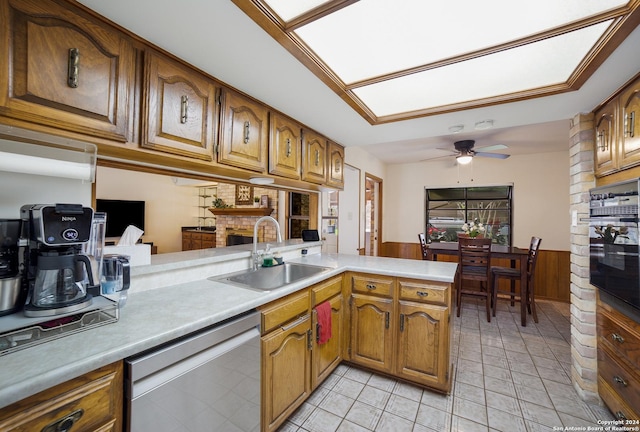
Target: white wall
x=540, y=201
x=368, y=164
x=19, y=189
x=168, y=206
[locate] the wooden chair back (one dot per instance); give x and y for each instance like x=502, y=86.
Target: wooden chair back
x=474, y=258
x=423, y=246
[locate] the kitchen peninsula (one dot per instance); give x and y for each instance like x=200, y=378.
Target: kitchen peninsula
x=172, y=298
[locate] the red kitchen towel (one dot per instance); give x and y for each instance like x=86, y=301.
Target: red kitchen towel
x=324, y=322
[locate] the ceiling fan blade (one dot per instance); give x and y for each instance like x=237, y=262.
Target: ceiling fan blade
x=437, y=157
x=492, y=155
x=492, y=147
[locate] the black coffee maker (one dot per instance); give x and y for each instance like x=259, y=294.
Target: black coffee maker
x=55, y=266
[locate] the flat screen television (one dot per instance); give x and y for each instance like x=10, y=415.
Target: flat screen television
x=121, y=214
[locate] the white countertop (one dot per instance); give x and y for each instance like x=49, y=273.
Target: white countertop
x=155, y=316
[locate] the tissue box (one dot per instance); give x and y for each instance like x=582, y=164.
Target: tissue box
x=139, y=254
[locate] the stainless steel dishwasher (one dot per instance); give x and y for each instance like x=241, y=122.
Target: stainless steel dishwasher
x=208, y=381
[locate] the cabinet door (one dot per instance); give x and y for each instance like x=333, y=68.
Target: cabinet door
x=285, y=147
x=186, y=241
x=65, y=71
x=335, y=175
x=179, y=109
x=423, y=344
x=286, y=371
x=371, y=330
x=630, y=126
x=326, y=357
x=245, y=133
x=314, y=157
x=605, y=151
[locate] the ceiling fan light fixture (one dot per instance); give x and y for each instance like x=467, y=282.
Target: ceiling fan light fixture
x=464, y=158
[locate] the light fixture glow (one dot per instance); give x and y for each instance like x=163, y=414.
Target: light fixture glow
x=464, y=158
x=261, y=180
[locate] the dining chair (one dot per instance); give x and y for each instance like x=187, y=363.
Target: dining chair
x=514, y=274
x=474, y=271
x=423, y=246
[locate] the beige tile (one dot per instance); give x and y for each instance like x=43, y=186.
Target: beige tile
x=374, y=397
x=288, y=427
x=301, y=414
x=529, y=394
x=497, y=371
x=347, y=426
x=470, y=410
x=540, y=414
x=545, y=362
x=505, y=422
x=494, y=351
x=469, y=392
x=390, y=422
x=557, y=375
x=530, y=381
x=437, y=400
x=568, y=420
x=433, y=418
x=470, y=366
x=357, y=375
x=317, y=396
x=348, y=387
x=470, y=378
x=573, y=407
x=364, y=415
x=321, y=421
x=408, y=391
x=503, y=403
x=382, y=383
x=402, y=407
x=460, y=424
x=499, y=386
x=337, y=404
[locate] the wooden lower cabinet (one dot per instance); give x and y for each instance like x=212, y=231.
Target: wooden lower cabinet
x=192, y=240
x=371, y=333
x=404, y=332
x=327, y=356
x=92, y=402
x=618, y=361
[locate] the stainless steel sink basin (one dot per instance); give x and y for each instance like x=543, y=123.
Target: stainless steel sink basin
x=270, y=278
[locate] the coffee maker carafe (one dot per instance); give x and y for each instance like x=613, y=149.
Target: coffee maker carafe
x=57, y=268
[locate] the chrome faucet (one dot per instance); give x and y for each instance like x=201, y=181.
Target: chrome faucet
x=256, y=256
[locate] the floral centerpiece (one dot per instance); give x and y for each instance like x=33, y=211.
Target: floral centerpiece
x=609, y=233
x=473, y=229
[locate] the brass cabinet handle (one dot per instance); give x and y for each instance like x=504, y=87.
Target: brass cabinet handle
x=401, y=322
x=620, y=415
x=386, y=320
x=293, y=324
x=247, y=126
x=617, y=338
x=317, y=157
x=620, y=380
x=184, y=106
x=64, y=424
x=309, y=345
x=73, y=67
x=629, y=124
x=288, y=147
x=601, y=142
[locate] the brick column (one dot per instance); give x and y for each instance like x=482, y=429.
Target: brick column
x=584, y=368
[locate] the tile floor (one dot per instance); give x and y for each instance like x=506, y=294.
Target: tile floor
x=507, y=378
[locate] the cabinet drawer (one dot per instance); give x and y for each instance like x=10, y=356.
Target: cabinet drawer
x=372, y=285
x=93, y=402
x=616, y=331
x=623, y=381
x=425, y=292
x=614, y=402
x=284, y=310
x=325, y=290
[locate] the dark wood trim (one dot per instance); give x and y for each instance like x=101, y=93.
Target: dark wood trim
x=553, y=270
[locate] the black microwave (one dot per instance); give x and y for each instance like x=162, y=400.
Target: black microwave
x=614, y=251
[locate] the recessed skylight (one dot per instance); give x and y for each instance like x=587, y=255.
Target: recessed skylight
x=396, y=60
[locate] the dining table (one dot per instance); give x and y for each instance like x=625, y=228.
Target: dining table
x=512, y=253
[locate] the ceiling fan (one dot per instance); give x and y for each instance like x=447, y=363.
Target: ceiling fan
x=464, y=151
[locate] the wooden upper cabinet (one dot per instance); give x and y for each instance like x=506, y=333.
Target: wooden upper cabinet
x=179, y=109
x=64, y=70
x=245, y=133
x=630, y=125
x=335, y=176
x=285, y=146
x=605, y=145
x=314, y=157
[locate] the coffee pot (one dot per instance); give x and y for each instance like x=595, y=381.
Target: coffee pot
x=116, y=277
x=59, y=274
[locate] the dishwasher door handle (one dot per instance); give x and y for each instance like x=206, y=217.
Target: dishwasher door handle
x=144, y=385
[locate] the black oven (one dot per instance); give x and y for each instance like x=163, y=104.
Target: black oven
x=614, y=259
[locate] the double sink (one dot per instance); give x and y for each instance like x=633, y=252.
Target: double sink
x=270, y=278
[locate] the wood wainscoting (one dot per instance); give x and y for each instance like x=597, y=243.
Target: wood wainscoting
x=553, y=271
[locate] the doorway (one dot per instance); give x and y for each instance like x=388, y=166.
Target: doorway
x=373, y=215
